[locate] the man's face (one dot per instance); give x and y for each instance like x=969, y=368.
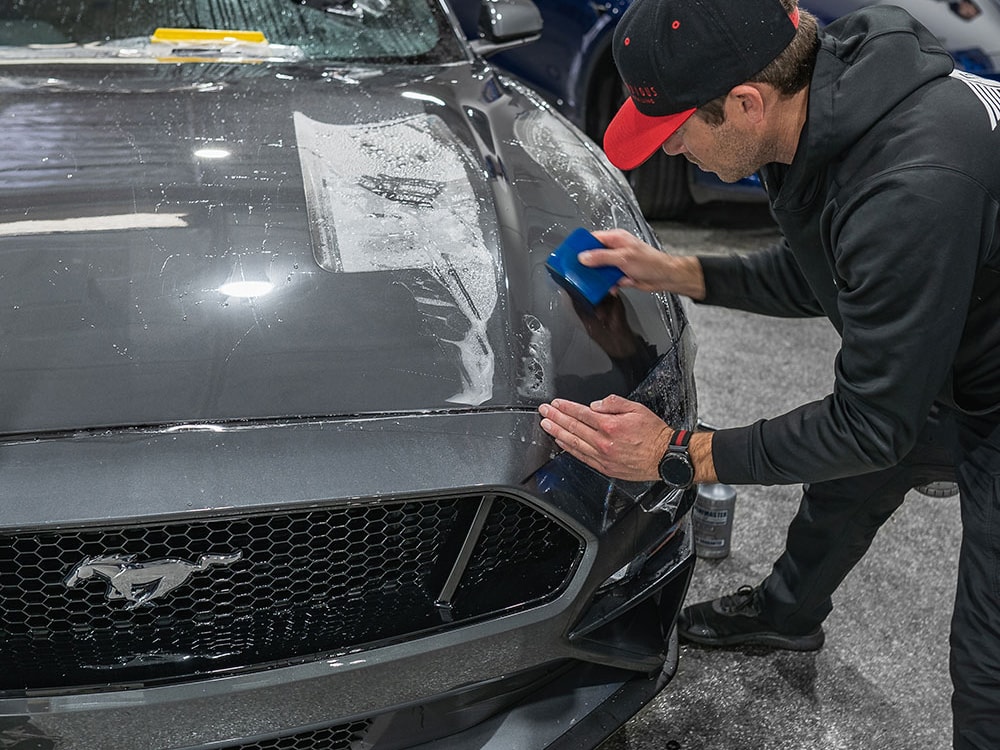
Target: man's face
x=727, y=150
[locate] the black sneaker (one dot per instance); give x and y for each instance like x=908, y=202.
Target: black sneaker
x=735, y=620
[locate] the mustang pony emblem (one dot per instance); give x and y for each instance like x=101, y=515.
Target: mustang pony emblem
x=139, y=583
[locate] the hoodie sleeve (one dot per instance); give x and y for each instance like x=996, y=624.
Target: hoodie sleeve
x=906, y=252
x=768, y=282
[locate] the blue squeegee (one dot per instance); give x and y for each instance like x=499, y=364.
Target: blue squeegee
x=592, y=284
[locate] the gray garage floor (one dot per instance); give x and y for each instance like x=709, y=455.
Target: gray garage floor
x=881, y=681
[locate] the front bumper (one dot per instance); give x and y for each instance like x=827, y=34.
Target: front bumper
x=512, y=682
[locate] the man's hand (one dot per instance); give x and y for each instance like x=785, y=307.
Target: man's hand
x=618, y=437
x=645, y=267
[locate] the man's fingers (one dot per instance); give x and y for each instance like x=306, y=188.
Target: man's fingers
x=595, y=258
x=587, y=434
x=575, y=412
x=581, y=450
x=570, y=441
x=613, y=404
x=571, y=425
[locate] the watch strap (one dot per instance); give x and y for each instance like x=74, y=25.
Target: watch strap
x=679, y=440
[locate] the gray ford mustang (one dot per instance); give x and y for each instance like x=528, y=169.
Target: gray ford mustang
x=275, y=323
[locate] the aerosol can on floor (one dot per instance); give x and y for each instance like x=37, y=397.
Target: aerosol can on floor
x=712, y=517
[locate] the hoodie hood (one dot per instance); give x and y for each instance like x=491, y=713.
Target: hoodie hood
x=852, y=49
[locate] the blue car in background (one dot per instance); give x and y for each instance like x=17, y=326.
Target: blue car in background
x=571, y=66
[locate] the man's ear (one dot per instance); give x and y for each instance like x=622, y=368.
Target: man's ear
x=747, y=101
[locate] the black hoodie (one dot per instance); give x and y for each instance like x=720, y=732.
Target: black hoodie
x=889, y=215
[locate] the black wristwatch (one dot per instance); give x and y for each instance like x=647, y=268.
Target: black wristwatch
x=676, y=469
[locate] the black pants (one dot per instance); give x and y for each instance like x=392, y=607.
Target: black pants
x=975, y=623
x=837, y=521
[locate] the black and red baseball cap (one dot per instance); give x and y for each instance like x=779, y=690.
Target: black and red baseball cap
x=677, y=55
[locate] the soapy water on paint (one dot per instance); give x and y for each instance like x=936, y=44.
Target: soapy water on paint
x=405, y=178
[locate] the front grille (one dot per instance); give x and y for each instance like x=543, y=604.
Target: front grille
x=89, y=606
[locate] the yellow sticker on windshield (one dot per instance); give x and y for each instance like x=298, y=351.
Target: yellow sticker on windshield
x=200, y=36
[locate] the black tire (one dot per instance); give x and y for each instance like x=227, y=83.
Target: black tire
x=660, y=184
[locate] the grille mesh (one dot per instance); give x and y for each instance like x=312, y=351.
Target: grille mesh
x=342, y=737
x=275, y=588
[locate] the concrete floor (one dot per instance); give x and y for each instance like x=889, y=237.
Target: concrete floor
x=881, y=681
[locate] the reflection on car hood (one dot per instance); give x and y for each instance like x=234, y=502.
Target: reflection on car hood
x=220, y=244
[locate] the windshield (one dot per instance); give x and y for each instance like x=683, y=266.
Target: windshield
x=172, y=30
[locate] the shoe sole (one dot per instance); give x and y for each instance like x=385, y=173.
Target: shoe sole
x=811, y=642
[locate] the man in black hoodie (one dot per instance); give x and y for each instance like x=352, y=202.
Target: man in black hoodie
x=882, y=167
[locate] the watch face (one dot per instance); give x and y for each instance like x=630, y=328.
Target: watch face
x=676, y=470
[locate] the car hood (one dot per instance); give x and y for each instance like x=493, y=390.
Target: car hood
x=192, y=243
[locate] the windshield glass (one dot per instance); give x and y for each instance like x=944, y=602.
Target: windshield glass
x=341, y=30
